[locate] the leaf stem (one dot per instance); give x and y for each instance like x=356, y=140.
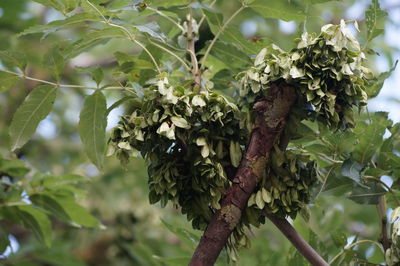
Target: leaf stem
x=97, y=10
x=166, y=17
x=22, y=76
x=218, y=34
x=171, y=53
x=386, y=186
x=129, y=34
x=355, y=244
x=191, y=39
x=204, y=16
x=325, y=181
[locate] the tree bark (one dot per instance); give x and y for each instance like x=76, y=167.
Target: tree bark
x=271, y=114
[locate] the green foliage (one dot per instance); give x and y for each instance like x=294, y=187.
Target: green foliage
x=28, y=198
x=12, y=59
x=278, y=9
x=34, y=109
x=330, y=81
x=374, y=20
x=92, y=127
x=191, y=138
x=187, y=140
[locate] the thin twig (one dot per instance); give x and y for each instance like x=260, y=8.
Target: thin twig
x=386, y=186
x=191, y=39
x=204, y=16
x=218, y=34
x=297, y=240
x=355, y=244
x=324, y=183
x=171, y=53
x=381, y=206
x=22, y=76
x=166, y=16
x=129, y=34
x=97, y=10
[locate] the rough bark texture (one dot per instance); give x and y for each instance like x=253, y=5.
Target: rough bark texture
x=272, y=112
x=298, y=241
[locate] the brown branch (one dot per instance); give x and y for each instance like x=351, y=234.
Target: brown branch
x=298, y=241
x=384, y=228
x=272, y=112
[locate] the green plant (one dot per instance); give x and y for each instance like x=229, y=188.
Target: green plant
x=226, y=140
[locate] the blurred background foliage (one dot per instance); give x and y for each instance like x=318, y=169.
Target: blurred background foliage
x=137, y=233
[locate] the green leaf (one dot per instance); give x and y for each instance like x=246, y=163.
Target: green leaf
x=92, y=39
x=51, y=182
x=231, y=35
x=189, y=238
x=92, y=127
x=96, y=73
x=388, y=161
x=62, y=6
x=50, y=205
x=375, y=20
x=121, y=101
x=36, y=106
x=230, y=55
x=75, y=20
x=368, y=194
x=375, y=172
x=352, y=169
x=337, y=185
x=36, y=221
x=152, y=29
x=7, y=81
x=321, y=1
x=278, y=9
x=77, y=213
x=13, y=59
x=370, y=136
x=15, y=168
x=4, y=241
x=375, y=87
x=235, y=153
x=168, y=3
x=54, y=61
x=339, y=238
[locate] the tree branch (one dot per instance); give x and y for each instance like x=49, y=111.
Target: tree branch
x=70, y=86
x=384, y=229
x=272, y=112
x=221, y=30
x=297, y=240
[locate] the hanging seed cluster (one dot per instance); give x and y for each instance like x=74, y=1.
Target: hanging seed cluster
x=326, y=69
x=393, y=253
x=187, y=140
x=285, y=189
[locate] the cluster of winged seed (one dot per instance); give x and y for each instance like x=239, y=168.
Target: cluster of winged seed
x=393, y=253
x=286, y=187
x=326, y=69
x=191, y=140
x=188, y=140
